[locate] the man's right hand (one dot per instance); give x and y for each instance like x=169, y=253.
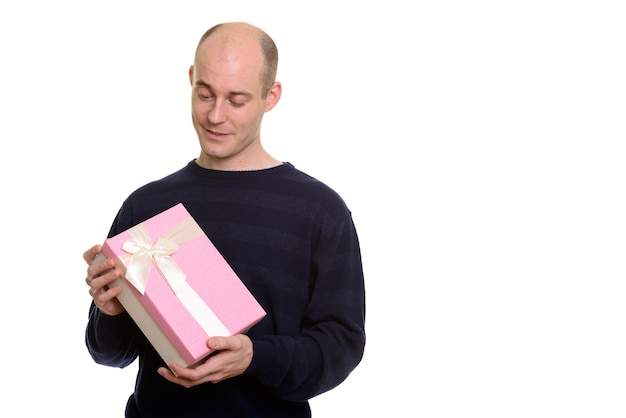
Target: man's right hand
x=99, y=275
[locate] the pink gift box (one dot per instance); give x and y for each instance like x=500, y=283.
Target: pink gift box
x=178, y=288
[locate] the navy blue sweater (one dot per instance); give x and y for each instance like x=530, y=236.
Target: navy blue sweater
x=292, y=241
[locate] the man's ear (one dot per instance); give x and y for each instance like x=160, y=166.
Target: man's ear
x=191, y=75
x=273, y=96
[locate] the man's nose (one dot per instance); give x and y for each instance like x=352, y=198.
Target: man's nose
x=217, y=112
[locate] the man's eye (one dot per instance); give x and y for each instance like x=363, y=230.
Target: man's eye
x=204, y=94
x=236, y=103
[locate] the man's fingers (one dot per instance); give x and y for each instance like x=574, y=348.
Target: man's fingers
x=91, y=253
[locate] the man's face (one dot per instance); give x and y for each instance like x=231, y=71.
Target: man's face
x=227, y=106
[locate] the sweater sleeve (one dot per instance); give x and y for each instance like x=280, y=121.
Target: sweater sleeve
x=111, y=340
x=332, y=338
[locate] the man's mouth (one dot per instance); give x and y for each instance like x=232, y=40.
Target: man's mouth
x=214, y=133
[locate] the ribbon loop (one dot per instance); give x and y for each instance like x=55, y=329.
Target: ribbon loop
x=142, y=252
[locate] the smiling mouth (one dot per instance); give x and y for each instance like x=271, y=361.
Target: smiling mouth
x=214, y=133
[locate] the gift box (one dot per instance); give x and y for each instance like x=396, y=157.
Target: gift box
x=177, y=286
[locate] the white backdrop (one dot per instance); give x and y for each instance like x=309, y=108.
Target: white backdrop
x=480, y=146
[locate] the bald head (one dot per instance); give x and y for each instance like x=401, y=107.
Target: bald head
x=235, y=33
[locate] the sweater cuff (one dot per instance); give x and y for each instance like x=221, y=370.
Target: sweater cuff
x=267, y=366
x=111, y=322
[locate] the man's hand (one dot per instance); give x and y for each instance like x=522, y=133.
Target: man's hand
x=99, y=275
x=232, y=358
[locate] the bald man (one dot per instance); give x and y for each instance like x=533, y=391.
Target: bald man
x=289, y=237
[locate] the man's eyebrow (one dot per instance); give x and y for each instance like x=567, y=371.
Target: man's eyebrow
x=200, y=83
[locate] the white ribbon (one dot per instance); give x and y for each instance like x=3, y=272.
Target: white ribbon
x=143, y=253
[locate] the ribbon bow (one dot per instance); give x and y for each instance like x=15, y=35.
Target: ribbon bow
x=143, y=253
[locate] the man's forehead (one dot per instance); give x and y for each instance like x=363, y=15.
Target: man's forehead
x=222, y=45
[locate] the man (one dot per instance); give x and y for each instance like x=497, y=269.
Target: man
x=289, y=237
